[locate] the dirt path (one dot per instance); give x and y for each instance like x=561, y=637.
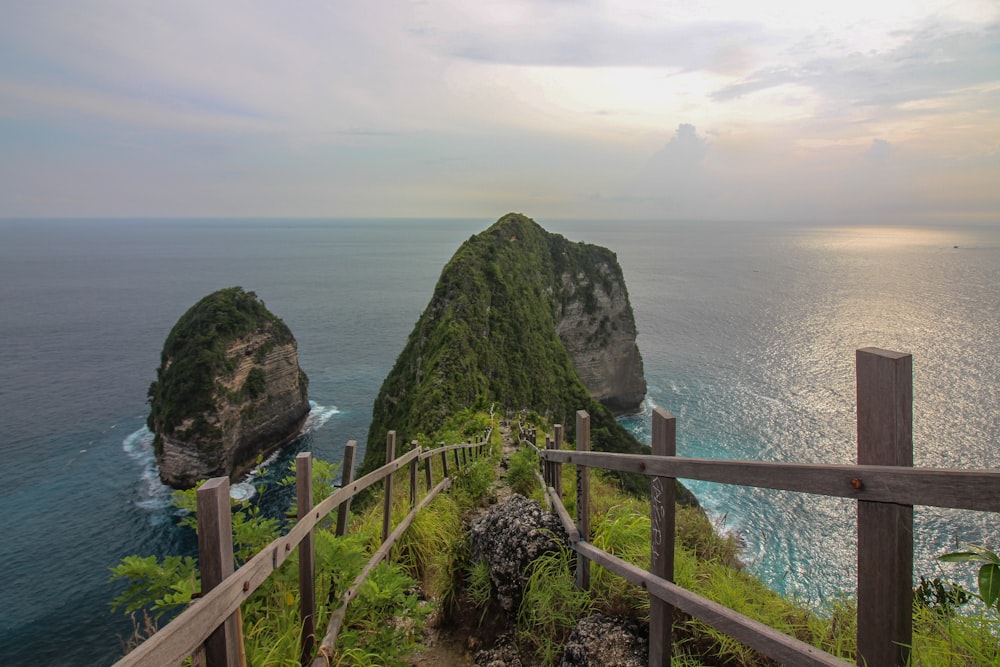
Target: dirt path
x=456, y=645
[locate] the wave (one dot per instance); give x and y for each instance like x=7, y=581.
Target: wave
x=318, y=416
x=155, y=496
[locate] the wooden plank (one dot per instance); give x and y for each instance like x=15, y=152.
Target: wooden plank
x=582, y=497
x=663, y=492
x=347, y=492
x=390, y=454
x=567, y=521
x=427, y=453
x=337, y=618
x=545, y=496
x=346, y=477
x=224, y=646
x=559, y=434
x=885, y=530
x=307, y=568
x=935, y=487
x=178, y=639
x=413, y=481
x=776, y=645
x=427, y=474
x=548, y=467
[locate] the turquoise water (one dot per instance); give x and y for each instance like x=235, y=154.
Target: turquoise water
x=747, y=331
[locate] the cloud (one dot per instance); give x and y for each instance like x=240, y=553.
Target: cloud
x=879, y=151
x=587, y=41
x=930, y=63
x=672, y=180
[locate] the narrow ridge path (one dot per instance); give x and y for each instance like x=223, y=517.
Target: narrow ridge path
x=455, y=646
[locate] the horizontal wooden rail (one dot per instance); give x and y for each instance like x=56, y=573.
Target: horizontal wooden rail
x=937, y=487
x=177, y=640
x=567, y=521
x=426, y=454
x=756, y=635
x=337, y=618
x=765, y=639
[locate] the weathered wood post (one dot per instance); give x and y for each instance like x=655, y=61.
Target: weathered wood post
x=547, y=467
x=458, y=466
x=390, y=456
x=444, y=461
x=413, y=477
x=427, y=472
x=885, y=530
x=663, y=492
x=557, y=469
x=307, y=568
x=224, y=647
x=583, y=497
x=346, y=479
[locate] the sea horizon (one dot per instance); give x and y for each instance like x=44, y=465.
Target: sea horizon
x=747, y=331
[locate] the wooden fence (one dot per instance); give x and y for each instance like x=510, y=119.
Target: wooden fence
x=210, y=631
x=884, y=484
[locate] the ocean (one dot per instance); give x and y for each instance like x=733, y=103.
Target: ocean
x=747, y=331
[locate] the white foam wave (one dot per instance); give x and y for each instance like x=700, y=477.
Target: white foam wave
x=242, y=491
x=154, y=494
x=318, y=416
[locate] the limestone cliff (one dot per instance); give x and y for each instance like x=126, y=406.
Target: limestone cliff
x=525, y=318
x=596, y=325
x=228, y=390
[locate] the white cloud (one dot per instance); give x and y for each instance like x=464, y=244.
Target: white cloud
x=447, y=107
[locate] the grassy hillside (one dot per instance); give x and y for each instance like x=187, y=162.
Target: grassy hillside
x=489, y=334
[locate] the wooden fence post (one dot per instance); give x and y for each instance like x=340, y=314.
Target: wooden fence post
x=583, y=498
x=557, y=470
x=427, y=472
x=885, y=530
x=663, y=492
x=346, y=479
x=444, y=462
x=547, y=467
x=224, y=647
x=413, y=481
x=390, y=456
x=307, y=568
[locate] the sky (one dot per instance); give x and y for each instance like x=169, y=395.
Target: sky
x=844, y=110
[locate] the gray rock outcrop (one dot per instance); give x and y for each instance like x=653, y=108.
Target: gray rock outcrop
x=508, y=538
x=503, y=654
x=605, y=641
x=597, y=327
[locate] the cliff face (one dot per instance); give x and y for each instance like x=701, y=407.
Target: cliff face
x=596, y=325
x=519, y=316
x=229, y=390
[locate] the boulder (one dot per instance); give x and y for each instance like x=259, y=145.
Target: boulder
x=606, y=641
x=508, y=538
x=228, y=392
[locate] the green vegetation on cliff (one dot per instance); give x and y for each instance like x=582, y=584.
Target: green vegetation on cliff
x=194, y=354
x=489, y=334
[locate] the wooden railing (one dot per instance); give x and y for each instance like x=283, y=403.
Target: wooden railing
x=209, y=630
x=884, y=484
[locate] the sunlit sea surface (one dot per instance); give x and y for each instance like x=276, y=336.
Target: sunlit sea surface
x=747, y=331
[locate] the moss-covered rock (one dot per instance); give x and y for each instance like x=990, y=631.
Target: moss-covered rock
x=491, y=332
x=228, y=390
